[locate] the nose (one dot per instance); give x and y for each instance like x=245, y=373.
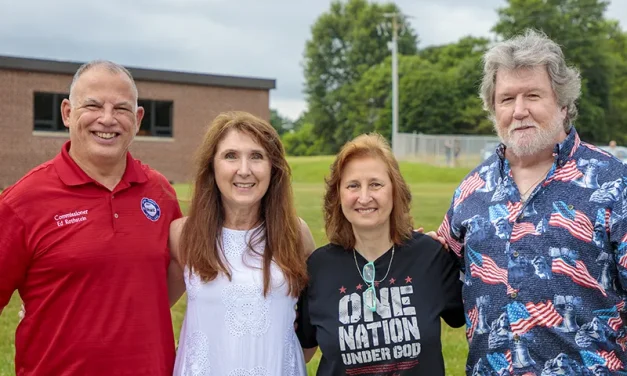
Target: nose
x=364, y=196
x=244, y=168
x=107, y=116
x=520, y=108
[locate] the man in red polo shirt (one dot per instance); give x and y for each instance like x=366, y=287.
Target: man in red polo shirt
x=84, y=241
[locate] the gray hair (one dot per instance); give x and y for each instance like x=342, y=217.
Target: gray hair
x=532, y=49
x=109, y=66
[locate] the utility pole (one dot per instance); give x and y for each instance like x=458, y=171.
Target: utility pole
x=394, y=47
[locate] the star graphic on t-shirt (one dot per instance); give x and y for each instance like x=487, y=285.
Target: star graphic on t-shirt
x=342, y=290
x=376, y=283
x=392, y=281
x=359, y=286
x=408, y=279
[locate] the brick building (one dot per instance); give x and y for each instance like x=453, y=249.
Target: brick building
x=178, y=107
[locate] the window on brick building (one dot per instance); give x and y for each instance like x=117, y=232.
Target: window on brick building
x=47, y=112
x=157, y=121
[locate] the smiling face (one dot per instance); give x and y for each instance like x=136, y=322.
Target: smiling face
x=242, y=171
x=527, y=117
x=366, y=193
x=103, y=117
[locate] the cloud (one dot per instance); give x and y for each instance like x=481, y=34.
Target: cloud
x=290, y=108
x=233, y=37
x=447, y=21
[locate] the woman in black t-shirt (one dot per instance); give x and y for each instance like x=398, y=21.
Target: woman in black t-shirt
x=377, y=292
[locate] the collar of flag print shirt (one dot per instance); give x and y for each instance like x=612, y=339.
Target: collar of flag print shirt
x=543, y=279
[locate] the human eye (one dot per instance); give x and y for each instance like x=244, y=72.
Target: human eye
x=92, y=105
x=352, y=185
x=256, y=156
x=229, y=155
x=124, y=109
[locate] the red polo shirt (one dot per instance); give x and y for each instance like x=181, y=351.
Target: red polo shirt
x=91, y=268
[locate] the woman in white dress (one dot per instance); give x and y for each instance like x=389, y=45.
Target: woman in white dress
x=242, y=254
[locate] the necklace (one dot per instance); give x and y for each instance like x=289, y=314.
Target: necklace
x=374, y=270
x=524, y=195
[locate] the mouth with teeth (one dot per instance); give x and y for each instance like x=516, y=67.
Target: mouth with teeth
x=105, y=135
x=244, y=185
x=366, y=210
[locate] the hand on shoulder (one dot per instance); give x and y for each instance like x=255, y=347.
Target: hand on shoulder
x=434, y=235
x=176, y=228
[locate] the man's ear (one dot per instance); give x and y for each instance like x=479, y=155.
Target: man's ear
x=66, y=109
x=139, y=116
x=564, y=112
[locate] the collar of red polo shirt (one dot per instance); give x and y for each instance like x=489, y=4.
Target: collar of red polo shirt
x=72, y=175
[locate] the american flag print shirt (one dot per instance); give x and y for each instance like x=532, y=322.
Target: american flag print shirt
x=544, y=280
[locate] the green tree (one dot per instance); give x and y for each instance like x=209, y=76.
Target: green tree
x=617, y=116
x=278, y=122
x=302, y=142
x=302, y=120
x=470, y=117
x=463, y=61
x=449, y=55
x=580, y=28
x=438, y=93
x=345, y=43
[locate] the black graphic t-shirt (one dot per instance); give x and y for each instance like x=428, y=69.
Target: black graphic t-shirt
x=403, y=336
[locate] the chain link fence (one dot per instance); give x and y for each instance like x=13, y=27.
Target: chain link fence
x=445, y=150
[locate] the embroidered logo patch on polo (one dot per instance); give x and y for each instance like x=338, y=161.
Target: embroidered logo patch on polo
x=151, y=209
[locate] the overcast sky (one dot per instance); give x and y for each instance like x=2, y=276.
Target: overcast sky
x=255, y=38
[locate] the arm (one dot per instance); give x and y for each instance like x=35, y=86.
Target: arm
x=14, y=255
x=618, y=239
x=309, y=353
x=434, y=235
x=452, y=266
x=446, y=234
x=176, y=282
x=305, y=331
x=309, y=245
x=453, y=312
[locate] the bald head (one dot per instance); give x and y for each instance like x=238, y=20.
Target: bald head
x=102, y=116
x=109, y=66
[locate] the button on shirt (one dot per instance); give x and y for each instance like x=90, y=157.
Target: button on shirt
x=544, y=279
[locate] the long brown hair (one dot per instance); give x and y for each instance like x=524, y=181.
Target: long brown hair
x=338, y=228
x=201, y=239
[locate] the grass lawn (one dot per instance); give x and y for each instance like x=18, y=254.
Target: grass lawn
x=432, y=189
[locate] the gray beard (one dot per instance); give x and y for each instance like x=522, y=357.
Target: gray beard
x=545, y=138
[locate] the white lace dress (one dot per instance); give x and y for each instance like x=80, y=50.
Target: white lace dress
x=231, y=329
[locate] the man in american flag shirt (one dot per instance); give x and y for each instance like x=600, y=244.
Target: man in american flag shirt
x=547, y=244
